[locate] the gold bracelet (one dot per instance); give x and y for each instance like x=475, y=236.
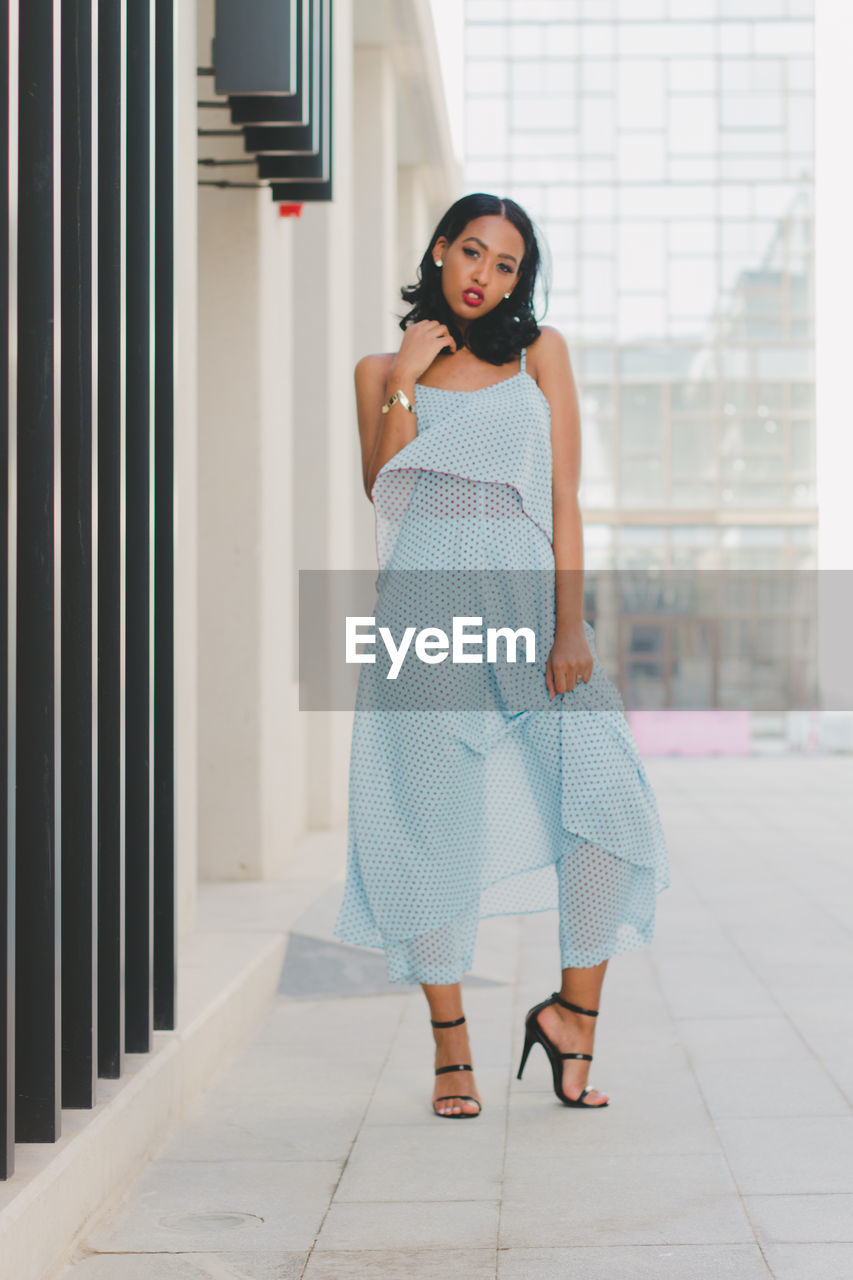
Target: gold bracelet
x=404, y=401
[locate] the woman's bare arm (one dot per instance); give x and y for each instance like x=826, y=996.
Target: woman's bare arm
x=377, y=378
x=555, y=377
x=381, y=434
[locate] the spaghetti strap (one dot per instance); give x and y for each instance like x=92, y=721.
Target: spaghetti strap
x=523, y=357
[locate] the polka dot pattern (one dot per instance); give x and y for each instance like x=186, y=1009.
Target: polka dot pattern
x=507, y=802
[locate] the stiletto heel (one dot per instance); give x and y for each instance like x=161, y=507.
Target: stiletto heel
x=460, y=1066
x=535, y=1035
x=529, y=1042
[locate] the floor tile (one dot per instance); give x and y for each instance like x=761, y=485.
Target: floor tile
x=409, y=1264
x=189, y=1266
x=621, y=1199
x=793, y=1156
x=807, y=1219
x=226, y=1127
x=731, y=1039
x=458, y=1162
x=251, y=1206
x=769, y=1088
x=470, y=1224
x=810, y=1261
x=637, y=1262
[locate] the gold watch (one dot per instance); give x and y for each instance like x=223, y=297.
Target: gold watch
x=404, y=401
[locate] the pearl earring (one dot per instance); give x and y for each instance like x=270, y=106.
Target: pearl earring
x=439, y=262
x=506, y=295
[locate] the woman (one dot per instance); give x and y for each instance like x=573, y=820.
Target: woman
x=481, y=779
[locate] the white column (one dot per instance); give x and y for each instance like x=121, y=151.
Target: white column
x=326, y=481
x=282, y=759
x=374, y=144
x=185, y=445
x=229, y=471
x=413, y=224
x=376, y=267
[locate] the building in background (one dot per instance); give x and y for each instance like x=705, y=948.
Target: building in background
x=665, y=148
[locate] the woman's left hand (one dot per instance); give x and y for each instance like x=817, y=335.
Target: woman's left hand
x=569, y=658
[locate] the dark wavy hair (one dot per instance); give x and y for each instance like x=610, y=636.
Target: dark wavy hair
x=509, y=326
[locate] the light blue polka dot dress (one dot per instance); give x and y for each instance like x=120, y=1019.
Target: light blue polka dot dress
x=476, y=794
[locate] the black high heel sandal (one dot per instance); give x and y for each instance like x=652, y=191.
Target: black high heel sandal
x=534, y=1034
x=460, y=1066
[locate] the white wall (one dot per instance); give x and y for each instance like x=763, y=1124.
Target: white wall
x=327, y=491
x=374, y=147
x=285, y=308
x=229, y=532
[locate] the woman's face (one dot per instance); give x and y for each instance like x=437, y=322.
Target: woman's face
x=480, y=266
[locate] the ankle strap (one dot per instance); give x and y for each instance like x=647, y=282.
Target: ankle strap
x=567, y=1004
x=449, y=1024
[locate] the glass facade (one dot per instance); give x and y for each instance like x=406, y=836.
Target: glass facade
x=665, y=150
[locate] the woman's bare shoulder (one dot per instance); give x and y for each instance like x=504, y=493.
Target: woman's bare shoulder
x=548, y=351
x=549, y=341
x=373, y=367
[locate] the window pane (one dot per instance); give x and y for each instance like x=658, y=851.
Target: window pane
x=693, y=287
x=694, y=450
x=802, y=446
x=486, y=126
x=598, y=125
x=486, y=75
x=641, y=156
x=561, y=41
x=641, y=94
x=751, y=111
x=485, y=41
x=645, y=684
x=597, y=448
x=692, y=123
x=662, y=38
x=693, y=494
x=641, y=255
x=692, y=75
x=640, y=317
x=698, y=236
x=486, y=10
x=598, y=75
x=642, y=482
x=802, y=395
x=692, y=396
x=596, y=284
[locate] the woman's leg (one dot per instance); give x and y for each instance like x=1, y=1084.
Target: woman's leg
x=574, y=1032
x=588, y=897
x=452, y=1045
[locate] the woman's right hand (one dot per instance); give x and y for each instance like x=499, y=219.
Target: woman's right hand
x=422, y=342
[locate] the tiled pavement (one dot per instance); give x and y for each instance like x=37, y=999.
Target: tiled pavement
x=726, y=1047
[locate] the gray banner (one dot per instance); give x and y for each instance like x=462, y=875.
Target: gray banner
x=774, y=640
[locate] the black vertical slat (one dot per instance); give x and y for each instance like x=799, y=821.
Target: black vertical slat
x=111, y=568
x=8, y=555
x=79, y=490
x=139, y=559
x=296, y=188
x=38, y=921
x=165, y=937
